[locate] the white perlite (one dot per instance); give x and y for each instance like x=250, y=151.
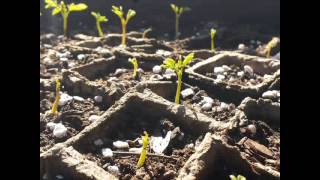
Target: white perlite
x=159, y=144
x=252, y=128
x=51, y=125
x=220, y=77
x=93, y=118
x=187, y=92
x=135, y=150
x=64, y=59
x=226, y=68
x=59, y=131
x=81, y=56
x=120, y=71
x=273, y=94
x=241, y=47
x=78, y=98
x=218, y=70
x=98, y=142
x=157, y=69
x=98, y=99
x=113, y=169
x=206, y=106
x=248, y=69
x=59, y=176
x=240, y=73
x=140, y=70
x=64, y=99
x=121, y=144
x=107, y=152
x=206, y=99
x=224, y=106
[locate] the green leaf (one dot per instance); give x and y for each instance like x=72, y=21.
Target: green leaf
x=188, y=59
x=102, y=19
x=56, y=10
x=169, y=63
x=130, y=14
x=77, y=7
x=212, y=32
x=240, y=177
x=94, y=14
x=117, y=11
x=232, y=177
x=51, y=4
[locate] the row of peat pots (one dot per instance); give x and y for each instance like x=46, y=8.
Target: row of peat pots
x=228, y=121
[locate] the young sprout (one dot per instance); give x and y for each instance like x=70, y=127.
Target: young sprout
x=134, y=62
x=99, y=19
x=272, y=44
x=124, y=21
x=178, y=68
x=64, y=10
x=239, y=177
x=56, y=101
x=145, y=32
x=212, y=33
x=143, y=154
x=178, y=11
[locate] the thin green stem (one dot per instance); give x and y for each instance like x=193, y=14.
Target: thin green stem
x=99, y=29
x=124, y=33
x=177, y=100
x=177, y=26
x=212, y=43
x=65, y=25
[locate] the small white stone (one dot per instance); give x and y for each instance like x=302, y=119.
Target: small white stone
x=72, y=64
x=221, y=77
x=163, y=52
x=226, y=68
x=60, y=131
x=98, y=142
x=140, y=70
x=98, y=99
x=241, y=47
x=267, y=76
x=218, y=70
x=47, y=46
x=169, y=71
x=140, y=141
x=113, y=169
x=78, y=98
x=81, y=56
x=135, y=150
x=187, y=92
x=156, y=77
x=224, y=106
x=206, y=106
x=121, y=144
x=107, y=152
x=240, y=73
x=120, y=71
x=47, y=60
x=64, y=59
x=273, y=94
x=93, y=118
x=51, y=125
x=191, y=145
x=59, y=176
x=248, y=69
x=252, y=128
x=64, y=99
x=157, y=69
x=206, y=99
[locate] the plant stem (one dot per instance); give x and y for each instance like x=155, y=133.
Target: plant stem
x=99, y=29
x=212, y=43
x=177, y=100
x=268, y=52
x=65, y=25
x=177, y=26
x=124, y=31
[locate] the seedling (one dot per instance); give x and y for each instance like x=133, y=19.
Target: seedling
x=99, y=20
x=178, y=68
x=178, y=11
x=143, y=155
x=124, y=21
x=64, y=10
x=272, y=44
x=134, y=62
x=239, y=177
x=212, y=33
x=145, y=32
x=57, y=99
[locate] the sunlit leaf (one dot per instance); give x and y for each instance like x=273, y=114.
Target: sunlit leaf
x=169, y=63
x=188, y=59
x=117, y=11
x=130, y=14
x=56, y=10
x=77, y=7
x=51, y=4
x=94, y=14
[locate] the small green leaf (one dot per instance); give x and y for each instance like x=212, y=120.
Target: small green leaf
x=188, y=59
x=77, y=7
x=94, y=14
x=56, y=10
x=117, y=11
x=169, y=63
x=51, y=4
x=240, y=177
x=232, y=177
x=174, y=8
x=102, y=19
x=130, y=14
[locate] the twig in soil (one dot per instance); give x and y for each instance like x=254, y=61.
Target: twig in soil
x=149, y=154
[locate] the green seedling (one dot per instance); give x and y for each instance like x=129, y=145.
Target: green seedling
x=239, y=177
x=54, y=108
x=178, y=11
x=178, y=68
x=212, y=33
x=143, y=155
x=145, y=32
x=64, y=10
x=99, y=20
x=134, y=62
x=124, y=21
x=272, y=44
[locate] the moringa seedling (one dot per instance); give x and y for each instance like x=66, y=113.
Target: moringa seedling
x=178, y=68
x=64, y=10
x=239, y=177
x=212, y=33
x=134, y=62
x=145, y=32
x=143, y=155
x=178, y=11
x=272, y=44
x=57, y=99
x=124, y=21
x=99, y=20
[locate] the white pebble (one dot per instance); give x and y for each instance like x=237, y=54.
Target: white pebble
x=221, y=77
x=59, y=176
x=252, y=128
x=64, y=59
x=218, y=70
x=157, y=69
x=241, y=47
x=240, y=73
x=93, y=118
x=248, y=69
x=107, y=152
x=98, y=99
x=113, y=169
x=64, y=99
x=206, y=99
x=59, y=131
x=140, y=70
x=224, y=106
x=51, y=125
x=169, y=71
x=206, y=106
x=271, y=94
x=135, y=150
x=81, y=56
x=226, y=68
x=121, y=144
x=191, y=145
x=98, y=142
x=78, y=98
x=120, y=71
x=187, y=92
